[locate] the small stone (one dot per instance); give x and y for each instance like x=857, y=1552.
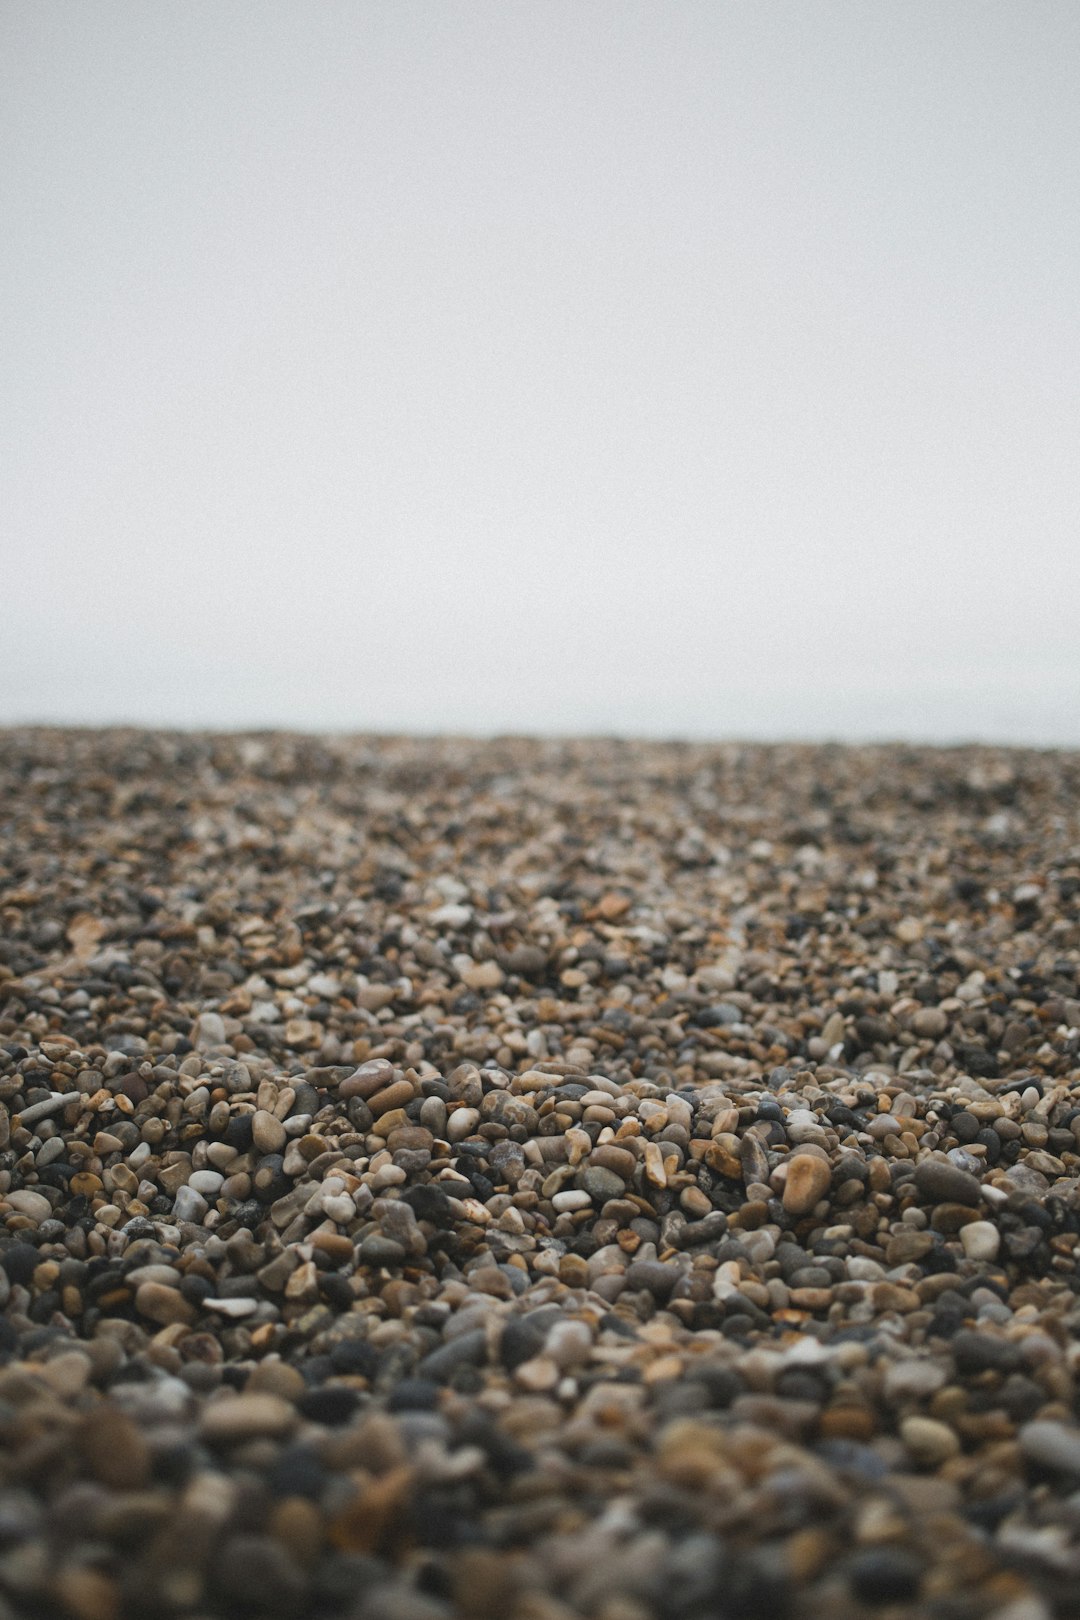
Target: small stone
x=207, y=1183
x=1052, y=1445
x=113, y=1449
x=568, y=1343
x=234, y=1418
x=981, y=1240
x=236, y=1307
x=43, y=1110
x=268, y=1133
x=885, y=1575
x=163, y=1304
x=602, y=1185
x=189, y=1205
x=539, y=1374
x=257, y=1573
x=34, y=1205
x=939, y=1182
x=929, y=1442
x=87, y=1594
x=467, y=1350
x=208, y=1031
x=655, y=1277
x=483, y=976
x=909, y=930
x=912, y=1379
x=908, y=1245
x=808, y=1181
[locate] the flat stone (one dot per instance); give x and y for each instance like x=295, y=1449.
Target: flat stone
x=233, y=1418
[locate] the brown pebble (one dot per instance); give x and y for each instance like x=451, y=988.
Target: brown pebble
x=113, y=1448
x=808, y=1181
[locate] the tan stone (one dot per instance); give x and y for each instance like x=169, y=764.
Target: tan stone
x=808, y=1181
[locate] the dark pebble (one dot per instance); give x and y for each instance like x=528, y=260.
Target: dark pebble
x=885, y=1575
x=333, y=1404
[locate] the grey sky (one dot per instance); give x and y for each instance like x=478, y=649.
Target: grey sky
x=683, y=368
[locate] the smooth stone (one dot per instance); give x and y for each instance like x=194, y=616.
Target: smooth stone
x=981, y=1240
x=913, y=1380
x=232, y=1418
x=257, y=1573
x=483, y=976
x=654, y=1276
x=163, y=1304
x=34, y=1205
x=377, y=1250
x=208, y=1031
x=885, y=1575
x=268, y=1133
x=568, y=1343
x=467, y=1350
x=601, y=1184
x=1051, y=1445
x=928, y=1441
x=808, y=1181
x=42, y=1110
x=208, y=1183
x=939, y=1182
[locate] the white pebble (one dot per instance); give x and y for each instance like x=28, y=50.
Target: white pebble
x=981, y=1240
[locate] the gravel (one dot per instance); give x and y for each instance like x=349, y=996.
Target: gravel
x=537, y=1180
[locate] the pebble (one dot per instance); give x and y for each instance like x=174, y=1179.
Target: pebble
x=234, y=1418
x=981, y=1240
x=929, y=1442
x=1052, y=1445
x=163, y=1303
x=808, y=1180
x=940, y=1182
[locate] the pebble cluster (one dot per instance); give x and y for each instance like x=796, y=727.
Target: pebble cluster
x=515, y=1180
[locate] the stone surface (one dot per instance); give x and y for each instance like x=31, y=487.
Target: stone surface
x=442, y=1180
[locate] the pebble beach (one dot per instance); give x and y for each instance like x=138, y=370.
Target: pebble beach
x=535, y=1180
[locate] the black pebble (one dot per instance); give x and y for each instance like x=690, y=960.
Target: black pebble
x=19, y=1262
x=298, y=1472
x=413, y=1395
x=356, y=1357
x=333, y=1404
x=885, y=1575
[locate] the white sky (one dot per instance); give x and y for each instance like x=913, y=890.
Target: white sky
x=697, y=368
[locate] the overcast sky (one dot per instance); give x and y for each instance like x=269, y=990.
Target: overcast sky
x=688, y=368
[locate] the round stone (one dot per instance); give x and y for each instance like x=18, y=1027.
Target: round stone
x=981, y=1240
x=928, y=1441
x=807, y=1183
